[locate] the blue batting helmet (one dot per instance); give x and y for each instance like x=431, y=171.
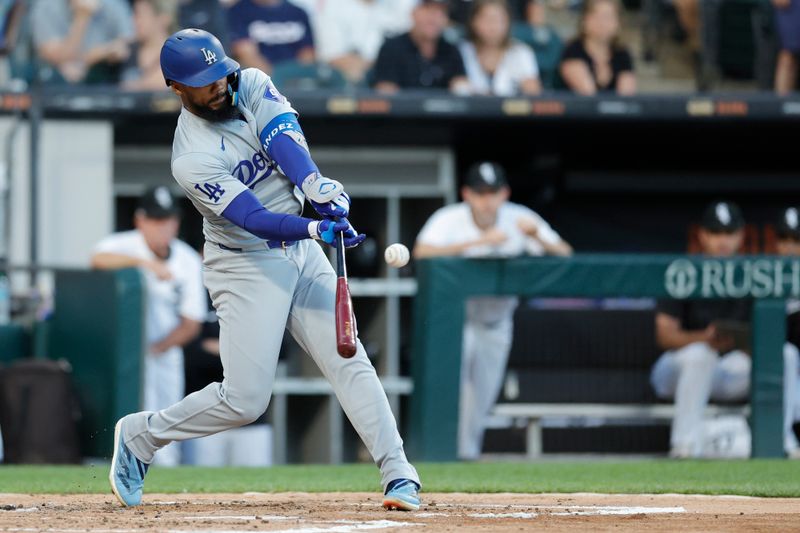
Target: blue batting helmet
x=196, y=58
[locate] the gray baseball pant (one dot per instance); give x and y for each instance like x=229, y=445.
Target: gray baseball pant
x=258, y=294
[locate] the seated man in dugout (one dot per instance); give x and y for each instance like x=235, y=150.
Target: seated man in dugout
x=704, y=359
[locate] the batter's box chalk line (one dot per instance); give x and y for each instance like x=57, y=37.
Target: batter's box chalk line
x=343, y=526
x=243, y=517
x=503, y=515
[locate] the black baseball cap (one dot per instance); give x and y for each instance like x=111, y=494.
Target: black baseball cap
x=722, y=217
x=158, y=202
x=788, y=224
x=443, y=3
x=486, y=176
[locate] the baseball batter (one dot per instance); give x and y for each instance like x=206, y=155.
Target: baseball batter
x=240, y=155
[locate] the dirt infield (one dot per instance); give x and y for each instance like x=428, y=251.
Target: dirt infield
x=345, y=512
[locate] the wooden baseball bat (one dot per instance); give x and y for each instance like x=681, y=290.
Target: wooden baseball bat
x=345, y=318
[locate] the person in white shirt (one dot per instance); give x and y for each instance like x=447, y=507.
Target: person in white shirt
x=495, y=63
x=486, y=224
x=176, y=298
x=350, y=33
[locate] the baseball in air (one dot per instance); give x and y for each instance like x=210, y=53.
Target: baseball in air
x=396, y=255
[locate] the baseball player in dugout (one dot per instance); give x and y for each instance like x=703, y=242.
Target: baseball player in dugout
x=485, y=224
x=242, y=159
x=176, y=300
x=706, y=343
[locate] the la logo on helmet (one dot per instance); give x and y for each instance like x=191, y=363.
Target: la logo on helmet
x=209, y=56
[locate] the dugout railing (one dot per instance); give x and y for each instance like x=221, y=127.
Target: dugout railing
x=445, y=283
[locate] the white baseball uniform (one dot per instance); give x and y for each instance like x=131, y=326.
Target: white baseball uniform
x=259, y=290
x=488, y=323
x=167, y=301
x=695, y=374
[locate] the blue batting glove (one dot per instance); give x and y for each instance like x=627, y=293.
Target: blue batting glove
x=351, y=237
x=327, y=230
x=339, y=207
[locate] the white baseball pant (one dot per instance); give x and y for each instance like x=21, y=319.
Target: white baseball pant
x=483, y=364
x=696, y=373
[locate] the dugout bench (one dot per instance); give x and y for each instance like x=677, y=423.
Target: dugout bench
x=587, y=363
x=445, y=283
x=532, y=415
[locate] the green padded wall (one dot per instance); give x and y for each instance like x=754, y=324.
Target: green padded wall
x=15, y=343
x=98, y=326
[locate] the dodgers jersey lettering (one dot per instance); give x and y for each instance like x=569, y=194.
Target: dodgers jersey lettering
x=215, y=161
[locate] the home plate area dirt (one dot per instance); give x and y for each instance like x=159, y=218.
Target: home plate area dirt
x=346, y=512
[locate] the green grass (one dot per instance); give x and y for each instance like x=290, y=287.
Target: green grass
x=754, y=478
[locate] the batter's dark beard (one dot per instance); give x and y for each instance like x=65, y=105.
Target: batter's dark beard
x=226, y=112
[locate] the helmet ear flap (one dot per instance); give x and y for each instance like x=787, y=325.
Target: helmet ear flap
x=233, y=87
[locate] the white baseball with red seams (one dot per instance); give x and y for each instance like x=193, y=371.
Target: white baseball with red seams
x=396, y=255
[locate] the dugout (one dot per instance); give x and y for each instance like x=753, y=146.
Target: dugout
x=610, y=174
x=445, y=283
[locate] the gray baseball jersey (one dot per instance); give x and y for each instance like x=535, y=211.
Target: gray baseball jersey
x=261, y=291
x=215, y=161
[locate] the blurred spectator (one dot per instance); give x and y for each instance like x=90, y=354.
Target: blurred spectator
x=787, y=14
x=688, y=12
x=596, y=61
x=82, y=40
x=154, y=21
x=397, y=15
x=542, y=38
x=176, y=298
x=11, y=12
x=486, y=224
x=208, y=15
x=703, y=358
x=350, y=34
x=264, y=33
x=495, y=63
x=312, y=8
x=421, y=58
x=250, y=445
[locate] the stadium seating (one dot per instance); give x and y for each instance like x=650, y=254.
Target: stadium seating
x=548, y=52
x=297, y=76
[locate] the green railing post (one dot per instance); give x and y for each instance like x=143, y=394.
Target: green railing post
x=766, y=394
x=443, y=287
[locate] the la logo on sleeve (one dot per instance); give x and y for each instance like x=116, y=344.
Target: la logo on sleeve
x=271, y=93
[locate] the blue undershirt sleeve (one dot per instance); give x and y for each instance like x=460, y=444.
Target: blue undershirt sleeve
x=247, y=212
x=282, y=139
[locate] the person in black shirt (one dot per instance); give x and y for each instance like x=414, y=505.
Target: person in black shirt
x=704, y=359
x=595, y=61
x=421, y=58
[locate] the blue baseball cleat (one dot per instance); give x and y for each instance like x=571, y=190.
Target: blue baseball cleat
x=401, y=495
x=127, y=472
